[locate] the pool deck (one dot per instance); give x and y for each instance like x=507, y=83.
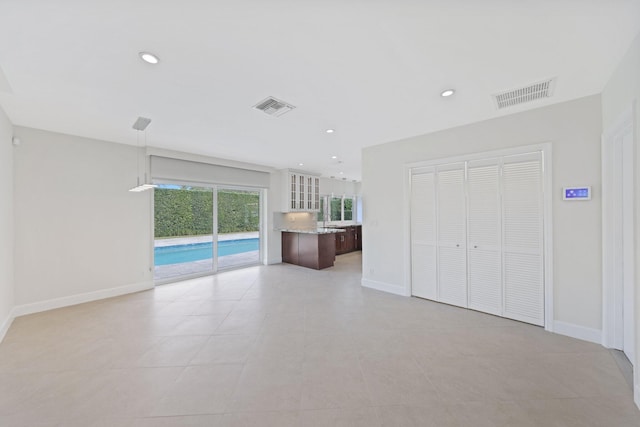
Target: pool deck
x=189, y=240
x=164, y=273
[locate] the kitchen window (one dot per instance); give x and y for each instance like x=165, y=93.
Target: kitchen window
x=347, y=209
x=339, y=208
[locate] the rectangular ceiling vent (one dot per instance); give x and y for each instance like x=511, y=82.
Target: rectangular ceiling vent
x=526, y=94
x=273, y=107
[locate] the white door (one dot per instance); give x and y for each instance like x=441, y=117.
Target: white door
x=618, y=214
x=522, y=238
x=423, y=233
x=623, y=271
x=484, y=252
x=627, y=244
x=451, y=234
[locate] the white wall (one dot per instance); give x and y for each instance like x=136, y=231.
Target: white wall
x=620, y=92
x=80, y=234
x=6, y=223
x=339, y=187
x=573, y=128
x=275, y=201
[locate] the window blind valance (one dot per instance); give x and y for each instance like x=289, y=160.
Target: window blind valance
x=164, y=168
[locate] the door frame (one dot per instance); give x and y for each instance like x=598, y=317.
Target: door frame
x=547, y=179
x=263, y=248
x=612, y=292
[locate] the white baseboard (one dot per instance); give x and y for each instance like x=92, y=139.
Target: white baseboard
x=51, y=304
x=636, y=395
x=4, y=328
x=577, y=331
x=385, y=287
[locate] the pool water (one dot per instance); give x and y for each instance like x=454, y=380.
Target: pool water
x=165, y=255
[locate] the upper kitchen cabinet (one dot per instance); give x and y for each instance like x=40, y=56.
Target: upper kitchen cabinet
x=302, y=191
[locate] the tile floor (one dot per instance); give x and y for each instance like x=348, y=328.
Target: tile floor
x=167, y=273
x=288, y=346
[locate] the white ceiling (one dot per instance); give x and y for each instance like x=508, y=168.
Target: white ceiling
x=370, y=69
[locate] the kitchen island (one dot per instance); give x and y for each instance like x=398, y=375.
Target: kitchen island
x=310, y=248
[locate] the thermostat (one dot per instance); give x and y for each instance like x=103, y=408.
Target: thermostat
x=576, y=193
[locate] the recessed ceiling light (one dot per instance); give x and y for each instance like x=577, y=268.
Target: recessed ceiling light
x=149, y=57
x=330, y=130
x=334, y=157
x=341, y=173
x=300, y=164
x=447, y=92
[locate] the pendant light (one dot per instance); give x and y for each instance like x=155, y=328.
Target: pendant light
x=141, y=125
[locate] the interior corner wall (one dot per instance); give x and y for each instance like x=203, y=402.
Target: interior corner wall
x=573, y=129
x=80, y=234
x=6, y=224
x=274, y=206
x=622, y=90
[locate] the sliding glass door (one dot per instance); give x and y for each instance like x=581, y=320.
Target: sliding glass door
x=183, y=224
x=238, y=223
x=190, y=219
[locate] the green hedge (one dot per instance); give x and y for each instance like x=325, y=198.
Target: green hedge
x=238, y=212
x=189, y=211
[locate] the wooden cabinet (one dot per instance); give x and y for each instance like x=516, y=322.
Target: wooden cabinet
x=302, y=192
x=309, y=250
x=341, y=243
x=290, y=248
x=349, y=240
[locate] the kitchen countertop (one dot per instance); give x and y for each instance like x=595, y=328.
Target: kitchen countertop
x=315, y=231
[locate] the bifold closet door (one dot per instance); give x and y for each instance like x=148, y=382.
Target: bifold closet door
x=522, y=216
x=423, y=233
x=452, y=234
x=484, y=236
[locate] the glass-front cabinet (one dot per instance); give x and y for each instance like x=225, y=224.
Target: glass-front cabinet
x=303, y=192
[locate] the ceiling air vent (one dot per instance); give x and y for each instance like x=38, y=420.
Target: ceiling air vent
x=273, y=107
x=522, y=95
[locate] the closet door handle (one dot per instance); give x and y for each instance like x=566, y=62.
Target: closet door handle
x=475, y=246
x=457, y=246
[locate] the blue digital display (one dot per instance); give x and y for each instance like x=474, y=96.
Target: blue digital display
x=577, y=193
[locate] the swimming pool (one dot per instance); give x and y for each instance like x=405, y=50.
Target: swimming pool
x=177, y=254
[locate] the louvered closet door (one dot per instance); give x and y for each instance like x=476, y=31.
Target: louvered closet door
x=452, y=235
x=523, y=238
x=423, y=233
x=484, y=250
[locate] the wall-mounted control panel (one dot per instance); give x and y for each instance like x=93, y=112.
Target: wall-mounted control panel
x=576, y=193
